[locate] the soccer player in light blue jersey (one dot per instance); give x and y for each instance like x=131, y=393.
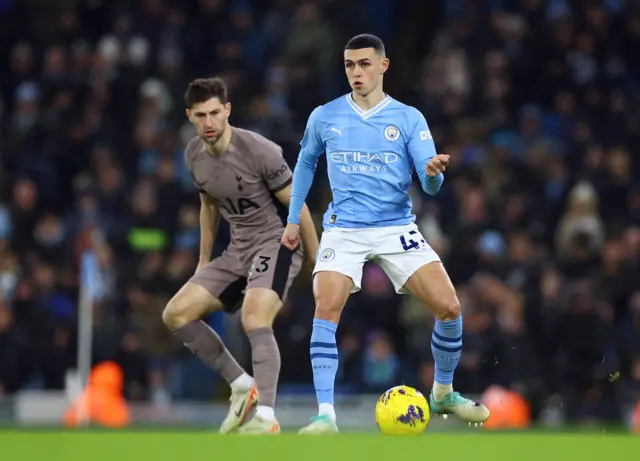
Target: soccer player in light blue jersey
x=373, y=143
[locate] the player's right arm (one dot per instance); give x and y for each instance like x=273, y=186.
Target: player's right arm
x=209, y=223
x=311, y=148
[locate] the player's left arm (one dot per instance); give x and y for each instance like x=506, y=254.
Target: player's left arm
x=308, y=232
x=428, y=163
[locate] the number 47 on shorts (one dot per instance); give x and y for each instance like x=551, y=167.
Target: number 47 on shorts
x=412, y=240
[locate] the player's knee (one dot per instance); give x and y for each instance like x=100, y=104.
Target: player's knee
x=189, y=304
x=259, y=309
x=255, y=318
x=448, y=310
x=176, y=314
x=331, y=291
x=328, y=308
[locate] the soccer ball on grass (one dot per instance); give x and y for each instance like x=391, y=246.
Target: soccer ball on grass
x=402, y=410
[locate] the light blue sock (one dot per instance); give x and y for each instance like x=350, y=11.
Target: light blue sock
x=324, y=359
x=446, y=347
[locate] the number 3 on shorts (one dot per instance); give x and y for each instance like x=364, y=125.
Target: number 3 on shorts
x=264, y=264
x=260, y=265
x=408, y=243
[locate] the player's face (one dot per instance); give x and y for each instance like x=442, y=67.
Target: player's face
x=364, y=69
x=210, y=118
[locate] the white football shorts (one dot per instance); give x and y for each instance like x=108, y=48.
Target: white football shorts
x=399, y=250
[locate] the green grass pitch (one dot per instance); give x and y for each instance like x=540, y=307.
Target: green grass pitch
x=55, y=445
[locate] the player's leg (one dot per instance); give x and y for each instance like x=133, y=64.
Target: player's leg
x=259, y=309
x=182, y=316
x=213, y=288
x=415, y=268
x=432, y=286
x=272, y=273
x=337, y=274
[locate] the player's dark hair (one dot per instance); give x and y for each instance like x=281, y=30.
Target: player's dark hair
x=366, y=41
x=203, y=89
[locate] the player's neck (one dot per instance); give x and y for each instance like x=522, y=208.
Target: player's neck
x=369, y=101
x=222, y=144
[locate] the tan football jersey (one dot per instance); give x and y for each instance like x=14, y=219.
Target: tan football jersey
x=243, y=181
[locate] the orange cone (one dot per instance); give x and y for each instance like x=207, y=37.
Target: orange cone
x=102, y=400
x=635, y=419
x=509, y=410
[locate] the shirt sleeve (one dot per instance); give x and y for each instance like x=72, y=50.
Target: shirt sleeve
x=274, y=169
x=311, y=148
x=422, y=149
x=189, y=153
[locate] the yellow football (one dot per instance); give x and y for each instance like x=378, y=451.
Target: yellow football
x=402, y=410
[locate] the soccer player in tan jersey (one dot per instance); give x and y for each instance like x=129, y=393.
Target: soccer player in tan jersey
x=242, y=177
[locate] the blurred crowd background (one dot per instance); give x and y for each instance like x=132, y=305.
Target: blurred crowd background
x=538, y=221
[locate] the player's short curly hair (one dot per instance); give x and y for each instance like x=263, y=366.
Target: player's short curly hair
x=203, y=89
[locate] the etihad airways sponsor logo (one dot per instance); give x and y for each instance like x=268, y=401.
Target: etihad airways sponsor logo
x=363, y=162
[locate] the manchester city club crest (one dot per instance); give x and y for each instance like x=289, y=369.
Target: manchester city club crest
x=327, y=254
x=392, y=133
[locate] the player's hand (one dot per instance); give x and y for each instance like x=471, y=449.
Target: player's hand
x=291, y=237
x=438, y=164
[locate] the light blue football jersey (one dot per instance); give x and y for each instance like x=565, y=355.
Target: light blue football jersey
x=371, y=156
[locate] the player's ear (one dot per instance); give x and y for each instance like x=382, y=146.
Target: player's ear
x=228, y=108
x=188, y=113
x=385, y=65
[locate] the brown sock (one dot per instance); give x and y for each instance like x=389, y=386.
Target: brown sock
x=266, y=364
x=208, y=347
